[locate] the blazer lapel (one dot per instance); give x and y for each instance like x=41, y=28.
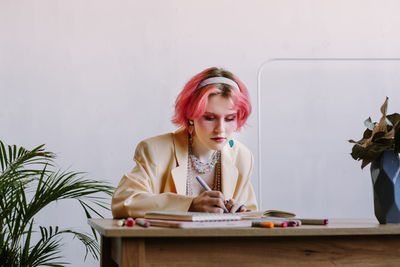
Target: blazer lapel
x=179, y=173
x=229, y=173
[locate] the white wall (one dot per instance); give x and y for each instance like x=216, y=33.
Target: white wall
x=92, y=78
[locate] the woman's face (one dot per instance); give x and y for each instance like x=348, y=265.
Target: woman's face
x=217, y=125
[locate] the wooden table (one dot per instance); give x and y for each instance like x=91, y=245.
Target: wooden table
x=360, y=242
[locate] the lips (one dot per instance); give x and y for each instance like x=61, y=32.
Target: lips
x=218, y=139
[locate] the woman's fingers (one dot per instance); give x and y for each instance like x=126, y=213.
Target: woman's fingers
x=214, y=210
x=234, y=206
x=242, y=208
x=215, y=194
x=214, y=200
x=208, y=201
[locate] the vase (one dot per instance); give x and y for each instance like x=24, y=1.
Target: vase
x=385, y=174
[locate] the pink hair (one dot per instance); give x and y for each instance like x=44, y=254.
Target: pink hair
x=192, y=101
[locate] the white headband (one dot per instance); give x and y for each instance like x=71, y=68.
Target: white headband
x=214, y=80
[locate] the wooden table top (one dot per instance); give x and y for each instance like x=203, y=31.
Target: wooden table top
x=336, y=227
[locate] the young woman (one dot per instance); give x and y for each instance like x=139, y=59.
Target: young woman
x=211, y=107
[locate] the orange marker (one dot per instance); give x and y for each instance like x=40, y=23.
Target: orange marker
x=263, y=224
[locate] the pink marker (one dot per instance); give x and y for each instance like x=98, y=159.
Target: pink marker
x=130, y=222
x=142, y=222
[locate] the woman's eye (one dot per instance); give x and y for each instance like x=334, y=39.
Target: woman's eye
x=208, y=118
x=230, y=119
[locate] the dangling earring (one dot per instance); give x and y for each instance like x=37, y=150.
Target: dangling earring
x=191, y=131
x=231, y=143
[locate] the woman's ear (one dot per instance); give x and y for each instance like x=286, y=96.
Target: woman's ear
x=191, y=127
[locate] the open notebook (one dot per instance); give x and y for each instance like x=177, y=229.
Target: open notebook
x=202, y=224
x=191, y=216
x=269, y=213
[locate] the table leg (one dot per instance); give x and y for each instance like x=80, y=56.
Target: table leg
x=105, y=256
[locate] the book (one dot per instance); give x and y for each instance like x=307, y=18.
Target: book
x=200, y=224
x=270, y=213
x=303, y=221
x=191, y=216
x=279, y=213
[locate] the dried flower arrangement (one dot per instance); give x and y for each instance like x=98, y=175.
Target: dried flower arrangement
x=378, y=137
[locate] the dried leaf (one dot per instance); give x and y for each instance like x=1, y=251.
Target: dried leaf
x=365, y=163
x=394, y=118
x=358, y=152
x=390, y=134
x=371, y=153
x=367, y=134
x=381, y=126
x=385, y=142
x=369, y=124
x=384, y=107
x=378, y=137
x=388, y=122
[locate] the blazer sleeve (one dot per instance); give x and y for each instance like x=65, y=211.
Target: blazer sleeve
x=139, y=190
x=246, y=193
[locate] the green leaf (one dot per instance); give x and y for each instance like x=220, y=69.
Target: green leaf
x=29, y=182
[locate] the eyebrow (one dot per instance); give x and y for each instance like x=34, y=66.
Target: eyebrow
x=210, y=113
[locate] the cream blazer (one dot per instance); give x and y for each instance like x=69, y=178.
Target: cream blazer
x=158, y=181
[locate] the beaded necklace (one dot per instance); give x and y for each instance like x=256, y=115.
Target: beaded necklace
x=194, y=167
x=203, y=167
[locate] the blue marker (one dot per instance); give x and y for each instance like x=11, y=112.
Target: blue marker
x=207, y=188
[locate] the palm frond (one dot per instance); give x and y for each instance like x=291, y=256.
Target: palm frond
x=28, y=183
x=14, y=158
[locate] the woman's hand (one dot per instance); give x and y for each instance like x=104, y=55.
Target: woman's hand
x=208, y=201
x=234, y=206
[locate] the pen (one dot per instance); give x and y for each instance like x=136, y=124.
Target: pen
x=314, y=221
x=207, y=188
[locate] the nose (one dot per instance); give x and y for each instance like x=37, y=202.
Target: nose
x=219, y=127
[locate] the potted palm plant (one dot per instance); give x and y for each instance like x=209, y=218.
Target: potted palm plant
x=29, y=181
x=380, y=146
